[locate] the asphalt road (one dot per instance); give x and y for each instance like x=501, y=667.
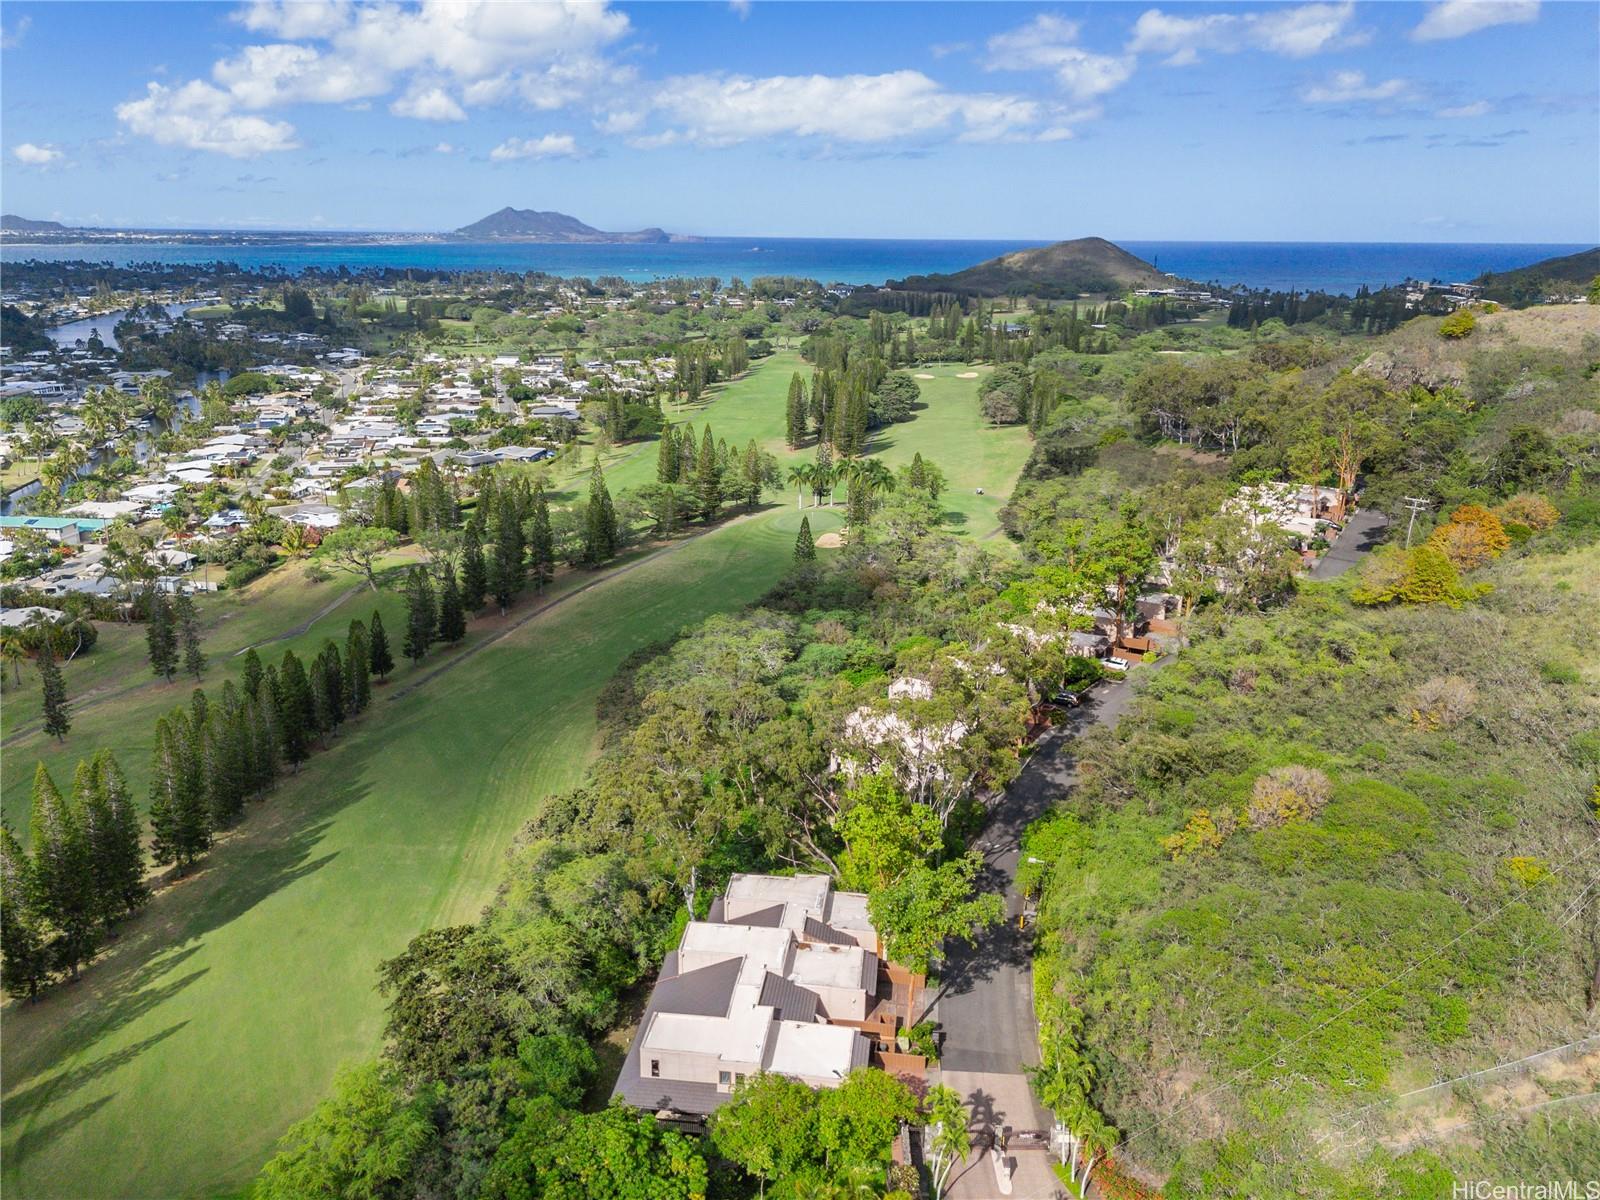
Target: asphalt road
x=1361, y=533
x=985, y=1004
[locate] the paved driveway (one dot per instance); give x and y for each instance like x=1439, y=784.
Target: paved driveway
x=1361, y=533
x=985, y=1002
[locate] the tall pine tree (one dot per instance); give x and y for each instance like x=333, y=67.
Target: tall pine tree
x=452, y=617
x=474, y=577
x=253, y=672
x=160, y=635
x=541, y=541
x=357, y=669
x=422, y=618
x=708, y=478
x=379, y=656
x=188, y=628
x=296, y=710
x=122, y=864
x=506, y=577
x=667, y=457
x=63, y=876
x=805, y=548
x=795, y=412
x=24, y=961
x=600, y=522
x=57, y=722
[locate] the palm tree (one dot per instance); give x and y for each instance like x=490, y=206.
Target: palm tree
x=801, y=476
x=871, y=474
x=156, y=394
x=13, y=651
x=292, y=537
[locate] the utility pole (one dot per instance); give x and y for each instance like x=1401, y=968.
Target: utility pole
x=1415, y=505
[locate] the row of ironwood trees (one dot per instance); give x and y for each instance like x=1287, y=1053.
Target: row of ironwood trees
x=86, y=867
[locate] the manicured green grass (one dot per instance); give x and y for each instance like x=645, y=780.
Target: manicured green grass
x=946, y=429
x=115, y=700
x=949, y=431
x=224, y=1010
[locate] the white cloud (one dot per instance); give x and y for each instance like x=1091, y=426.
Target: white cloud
x=1477, y=108
x=1297, y=32
x=268, y=76
x=35, y=155
x=428, y=104
x=476, y=39
x=551, y=145
x=296, y=18
x=12, y=38
x=619, y=122
x=741, y=8
x=1048, y=43
x=547, y=55
x=444, y=148
x=198, y=116
x=720, y=110
x=1344, y=87
x=1457, y=18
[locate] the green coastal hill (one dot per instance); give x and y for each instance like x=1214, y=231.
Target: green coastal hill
x=1569, y=275
x=12, y=223
x=1058, y=271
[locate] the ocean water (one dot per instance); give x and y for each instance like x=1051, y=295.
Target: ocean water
x=1305, y=266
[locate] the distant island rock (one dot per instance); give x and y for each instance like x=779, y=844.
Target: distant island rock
x=15, y=224
x=1059, y=271
x=528, y=225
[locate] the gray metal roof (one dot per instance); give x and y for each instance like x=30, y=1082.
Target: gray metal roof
x=765, y=918
x=793, y=1002
x=654, y=1095
x=706, y=992
x=816, y=931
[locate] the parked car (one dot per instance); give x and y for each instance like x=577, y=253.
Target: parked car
x=1066, y=699
x=1117, y=664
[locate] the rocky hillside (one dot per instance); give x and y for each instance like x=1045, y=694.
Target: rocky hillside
x=530, y=225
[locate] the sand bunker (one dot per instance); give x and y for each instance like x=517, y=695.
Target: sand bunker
x=830, y=541
x=967, y=375
x=921, y=375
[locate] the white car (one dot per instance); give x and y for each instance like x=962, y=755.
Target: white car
x=1117, y=664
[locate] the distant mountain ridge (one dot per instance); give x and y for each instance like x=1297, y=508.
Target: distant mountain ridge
x=530, y=225
x=26, y=225
x=1058, y=271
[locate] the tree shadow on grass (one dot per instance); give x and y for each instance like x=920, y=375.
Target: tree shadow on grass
x=122, y=986
x=29, y=1100
x=42, y=1135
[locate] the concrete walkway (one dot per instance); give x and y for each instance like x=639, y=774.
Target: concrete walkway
x=985, y=1002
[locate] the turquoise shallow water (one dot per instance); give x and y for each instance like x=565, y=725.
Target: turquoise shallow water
x=1325, y=266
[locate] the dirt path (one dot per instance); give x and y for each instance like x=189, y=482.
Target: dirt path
x=303, y=626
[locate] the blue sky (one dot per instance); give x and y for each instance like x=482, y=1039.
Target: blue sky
x=1466, y=120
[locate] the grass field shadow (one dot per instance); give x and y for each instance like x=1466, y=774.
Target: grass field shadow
x=42, y=1135
x=25, y=1102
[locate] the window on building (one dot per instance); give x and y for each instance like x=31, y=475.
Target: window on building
x=724, y=1079
x=655, y=1068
